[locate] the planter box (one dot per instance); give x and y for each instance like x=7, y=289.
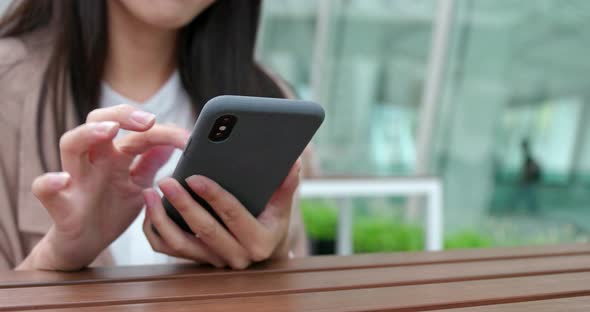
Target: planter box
x=322, y=247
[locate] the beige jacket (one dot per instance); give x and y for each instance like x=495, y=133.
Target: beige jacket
x=23, y=220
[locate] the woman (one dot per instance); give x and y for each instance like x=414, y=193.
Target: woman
x=76, y=169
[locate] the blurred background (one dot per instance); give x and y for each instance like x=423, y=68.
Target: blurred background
x=490, y=97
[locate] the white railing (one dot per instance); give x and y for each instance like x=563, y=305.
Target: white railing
x=345, y=189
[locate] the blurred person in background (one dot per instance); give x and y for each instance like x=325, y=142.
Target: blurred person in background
x=76, y=167
x=530, y=177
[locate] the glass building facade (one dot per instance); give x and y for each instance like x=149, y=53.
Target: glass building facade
x=488, y=95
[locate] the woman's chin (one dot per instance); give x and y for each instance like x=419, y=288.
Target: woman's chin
x=166, y=14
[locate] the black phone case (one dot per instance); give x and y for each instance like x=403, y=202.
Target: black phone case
x=268, y=137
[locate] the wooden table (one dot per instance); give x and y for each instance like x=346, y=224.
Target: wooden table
x=555, y=278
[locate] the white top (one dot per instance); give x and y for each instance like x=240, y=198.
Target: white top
x=171, y=105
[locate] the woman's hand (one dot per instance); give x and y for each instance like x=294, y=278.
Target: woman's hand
x=98, y=194
x=247, y=239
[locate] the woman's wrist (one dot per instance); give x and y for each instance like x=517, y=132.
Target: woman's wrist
x=42, y=257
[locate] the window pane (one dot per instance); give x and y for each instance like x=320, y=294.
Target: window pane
x=516, y=73
x=371, y=69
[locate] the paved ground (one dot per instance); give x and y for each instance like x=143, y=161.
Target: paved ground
x=562, y=214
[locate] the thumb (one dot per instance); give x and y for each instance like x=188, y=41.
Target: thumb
x=48, y=189
x=144, y=170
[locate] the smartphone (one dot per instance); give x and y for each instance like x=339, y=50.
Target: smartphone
x=247, y=145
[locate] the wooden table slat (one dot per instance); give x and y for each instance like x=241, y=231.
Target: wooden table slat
x=225, y=285
x=144, y=273
x=574, y=304
x=404, y=298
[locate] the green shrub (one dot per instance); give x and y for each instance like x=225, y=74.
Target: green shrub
x=467, y=239
x=372, y=234
x=378, y=234
x=320, y=218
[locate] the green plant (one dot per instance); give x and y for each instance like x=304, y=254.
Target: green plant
x=467, y=239
x=320, y=218
x=372, y=234
x=378, y=234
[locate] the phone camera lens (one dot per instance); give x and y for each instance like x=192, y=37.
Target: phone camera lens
x=222, y=128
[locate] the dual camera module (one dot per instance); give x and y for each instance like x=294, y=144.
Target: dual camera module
x=222, y=128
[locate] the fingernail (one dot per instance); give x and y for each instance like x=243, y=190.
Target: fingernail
x=59, y=180
x=169, y=189
x=197, y=184
x=105, y=127
x=142, y=118
x=148, y=198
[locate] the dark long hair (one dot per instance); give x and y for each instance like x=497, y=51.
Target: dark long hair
x=215, y=54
